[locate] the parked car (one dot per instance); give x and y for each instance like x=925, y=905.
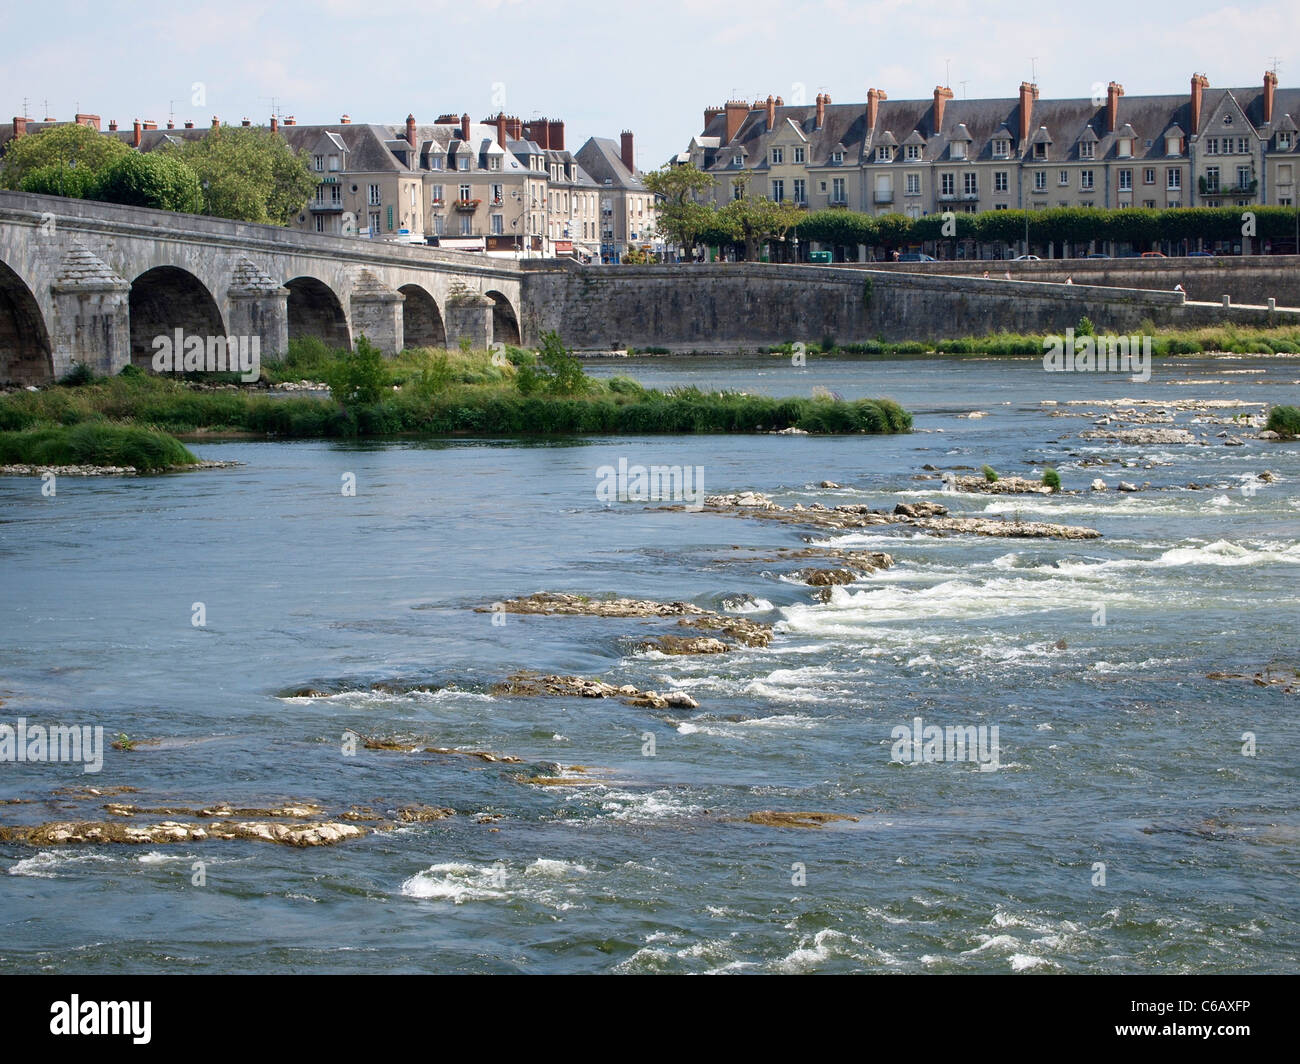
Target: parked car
x=916, y=256
x=1200, y=254
x=1096, y=255
x=1026, y=258
x=1154, y=255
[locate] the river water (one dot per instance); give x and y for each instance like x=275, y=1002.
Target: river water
x=1115, y=749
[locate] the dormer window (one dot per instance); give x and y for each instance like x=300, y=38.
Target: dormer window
x=737, y=160
x=1173, y=145
x=1087, y=150
x=1284, y=141
x=494, y=162
x=913, y=152
x=1001, y=149
x=435, y=162
x=334, y=163
x=1040, y=151
x=837, y=156
x=884, y=154
x=462, y=163
x=1125, y=148
x=959, y=149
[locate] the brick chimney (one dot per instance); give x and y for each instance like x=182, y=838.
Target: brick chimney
x=290, y=121
x=112, y=125
x=171, y=124
x=20, y=126
x=874, y=96
x=1028, y=94
x=502, y=130
x=736, y=112
x=410, y=130
x=555, y=133
x=215, y=121
x=710, y=113
x=771, y=113
x=1199, y=84
x=464, y=127
x=243, y=122
x=626, y=153
x=515, y=127
x=821, y=112
x=275, y=124
x=942, y=95
x=91, y=121
x=149, y=123
x=345, y=120
x=135, y=134
x=1113, y=92
x=190, y=125
x=1270, y=86
x=539, y=132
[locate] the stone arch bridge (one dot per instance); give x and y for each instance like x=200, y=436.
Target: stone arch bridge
x=82, y=281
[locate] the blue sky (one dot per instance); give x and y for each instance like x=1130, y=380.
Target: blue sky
x=608, y=66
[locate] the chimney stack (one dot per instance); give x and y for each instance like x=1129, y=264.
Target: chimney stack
x=555, y=133
x=275, y=124
x=942, y=94
x=244, y=122
x=20, y=126
x=290, y=121
x=190, y=125
x=90, y=121
x=112, y=125
x=771, y=113
x=874, y=96
x=1270, y=86
x=629, y=158
x=215, y=122
x=410, y=130
x=1028, y=94
x=1199, y=84
x=346, y=120
x=1113, y=92
x=135, y=134
x=821, y=112
x=464, y=127
x=500, y=122
x=149, y=123
x=171, y=124
x=735, y=110
x=515, y=127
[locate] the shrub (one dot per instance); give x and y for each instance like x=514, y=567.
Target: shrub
x=1085, y=327
x=1052, y=479
x=156, y=179
x=433, y=377
x=1285, y=421
x=990, y=474
x=361, y=377
x=79, y=374
x=95, y=443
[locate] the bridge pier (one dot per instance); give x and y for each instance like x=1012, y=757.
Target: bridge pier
x=377, y=314
x=259, y=307
x=92, y=315
x=469, y=315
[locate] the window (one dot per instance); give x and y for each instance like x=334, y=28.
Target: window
x=334, y=163
x=1243, y=177
x=435, y=162
x=336, y=195
x=373, y=217
x=498, y=195
x=464, y=192
x=799, y=155
x=438, y=223
x=1085, y=179
x=1227, y=120
x=1149, y=176
x=1040, y=151
x=1212, y=145
x=410, y=195
x=913, y=152
x=837, y=191
x=498, y=224
x=884, y=154
x=1243, y=146
x=462, y=162
x=1063, y=177
x=1175, y=203
x=372, y=196
x=969, y=184
x=319, y=161
x=1149, y=204
x=737, y=160
x=1125, y=150
x=1001, y=149
x=466, y=225
x=389, y=219
x=913, y=184
x=1284, y=142
x=1087, y=150
x=1086, y=203
x=959, y=149
x=999, y=206
x=1126, y=180
x=778, y=191
x=320, y=223
x=800, y=190
x=1173, y=180
x=1000, y=182
x=494, y=162
x=1284, y=201
x=947, y=185
x=1211, y=180
x=837, y=156
x=778, y=156
x=437, y=194
x=737, y=190
x=1040, y=180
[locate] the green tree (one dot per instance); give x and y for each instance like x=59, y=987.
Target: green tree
x=77, y=182
x=68, y=147
x=360, y=377
x=158, y=179
x=248, y=174
x=756, y=220
x=682, y=217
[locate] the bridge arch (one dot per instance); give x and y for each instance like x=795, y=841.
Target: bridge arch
x=505, y=322
x=422, y=324
x=26, y=356
x=315, y=310
x=167, y=298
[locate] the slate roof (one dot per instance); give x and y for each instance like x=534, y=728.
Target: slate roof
x=603, y=160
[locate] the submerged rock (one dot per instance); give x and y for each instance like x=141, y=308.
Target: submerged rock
x=677, y=644
x=773, y=818
x=528, y=683
x=97, y=832
x=1001, y=486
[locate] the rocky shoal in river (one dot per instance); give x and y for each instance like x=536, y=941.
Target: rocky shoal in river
x=929, y=516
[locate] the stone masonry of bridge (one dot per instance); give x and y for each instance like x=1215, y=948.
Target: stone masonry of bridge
x=96, y=283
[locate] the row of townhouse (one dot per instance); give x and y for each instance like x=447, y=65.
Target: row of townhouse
x=1208, y=148
x=504, y=187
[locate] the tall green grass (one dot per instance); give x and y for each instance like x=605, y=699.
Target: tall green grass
x=94, y=443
